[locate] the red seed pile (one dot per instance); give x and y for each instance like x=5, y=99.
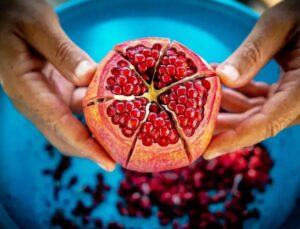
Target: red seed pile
x=213, y=194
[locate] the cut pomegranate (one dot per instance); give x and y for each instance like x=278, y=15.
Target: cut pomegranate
x=156, y=101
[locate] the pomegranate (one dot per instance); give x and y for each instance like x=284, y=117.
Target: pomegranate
x=152, y=104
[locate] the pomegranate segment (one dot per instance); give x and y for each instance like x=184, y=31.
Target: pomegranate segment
x=156, y=124
x=178, y=63
x=111, y=122
x=144, y=54
x=128, y=115
x=187, y=101
x=158, y=128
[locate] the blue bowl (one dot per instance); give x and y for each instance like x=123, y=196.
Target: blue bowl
x=211, y=28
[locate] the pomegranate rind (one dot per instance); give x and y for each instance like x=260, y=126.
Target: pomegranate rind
x=107, y=134
x=147, y=42
x=198, y=142
x=203, y=68
x=157, y=158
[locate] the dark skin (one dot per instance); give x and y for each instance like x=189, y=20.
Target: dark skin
x=45, y=75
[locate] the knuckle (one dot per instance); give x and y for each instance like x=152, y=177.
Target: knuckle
x=63, y=52
x=251, y=52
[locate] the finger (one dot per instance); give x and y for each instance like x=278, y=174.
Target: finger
x=228, y=121
x=276, y=114
x=76, y=100
x=268, y=36
x=46, y=107
x=295, y=122
x=235, y=102
x=255, y=89
x=43, y=32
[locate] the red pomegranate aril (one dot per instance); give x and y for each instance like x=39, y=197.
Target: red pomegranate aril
x=179, y=109
x=115, y=119
x=111, y=111
x=173, y=96
x=150, y=61
x=181, y=90
x=190, y=112
x=182, y=120
x=159, y=122
x=139, y=58
x=181, y=71
x=166, y=78
x=126, y=72
x=111, y=81
x=129, y=106
x=147, y=127
x=178, y=63
x=135, y=113
x=120, y=107
x=136, y=90
x=146, y=52
x=142, y=114
x=155, y=54
x=147, y=140
x=122, y=64
x=172, y=105
x=188, y=131
x=142, y=67
x=170, y=69
x=121, y=80
x=163, y=141
x=155, y=133
x=191, y=103
x=117, y=90
x=137, y=104
x=152, y=117
x=162, y=70
x=128, y=132
x=206, y=84
x=192, y=93
x=164, y=131
x=133, y=123
x=182, y=99
x=157, y=47
x=115, y=71
x=128, y=89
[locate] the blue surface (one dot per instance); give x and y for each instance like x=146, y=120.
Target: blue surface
x=211, y=28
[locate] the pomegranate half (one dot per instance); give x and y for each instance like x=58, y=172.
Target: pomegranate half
x=152, y=104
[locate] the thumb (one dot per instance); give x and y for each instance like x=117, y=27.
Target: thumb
x=267, y=37
x=44, y=33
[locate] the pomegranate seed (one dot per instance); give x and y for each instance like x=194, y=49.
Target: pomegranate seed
x=157, y=46
x=163, y=141
x=182, y=99
x=155, y=54
x=147, y=127
x=181, y=90
x=129, y=106
x=166, y=78
x=165, y=98
x=172, y=105
x=150, y=61
x=115, y=71
x=159, y=122
x=206, y=84
x=120, y=107
x=154, y=108
x=179, y=63
x=137, y=104
x=192, y=93
x=171, y=51
x=182, y=54
x=127, y=132
x=168, y=124
x=126, y=72
x=173, y=96
x=142, y=114
x=180, y=71
x=142, y=67
x=135, y=113
x=165, y=60
x=182, y=120
x=127, y=89
x=162, y=70
x=173, y=137
x=163, y=115
x=146, y=52
x=188, y=131
x=111, y=81
x=111, y=111
x=139, y=58
x=193, y=123
x=179, y=109
x=115, y=119
x=132, y=80
x=117, y=90
x=136, y=90
x=130, y=52
x=171, y=70
x=164, y=131
x=172, y=59
x=121, y=80
x=122, y=64
x=190, y=112
x=147, y=140
x=191, y=103
x=152, y=117
x=133, y=123
x=155, y=134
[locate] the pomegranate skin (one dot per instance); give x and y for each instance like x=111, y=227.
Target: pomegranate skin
x=126, y=115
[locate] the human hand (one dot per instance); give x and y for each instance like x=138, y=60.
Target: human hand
x=266, y=110
x=45, y=74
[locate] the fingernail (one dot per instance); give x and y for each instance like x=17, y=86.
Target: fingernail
x=228, y=71
x=106, y=168
x=83, y=68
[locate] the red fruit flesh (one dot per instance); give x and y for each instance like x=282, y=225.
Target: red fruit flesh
x=152, y=105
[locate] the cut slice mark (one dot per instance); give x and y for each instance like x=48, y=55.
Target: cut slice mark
x=180, y=132
x=97, y=100
x=136, y=135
